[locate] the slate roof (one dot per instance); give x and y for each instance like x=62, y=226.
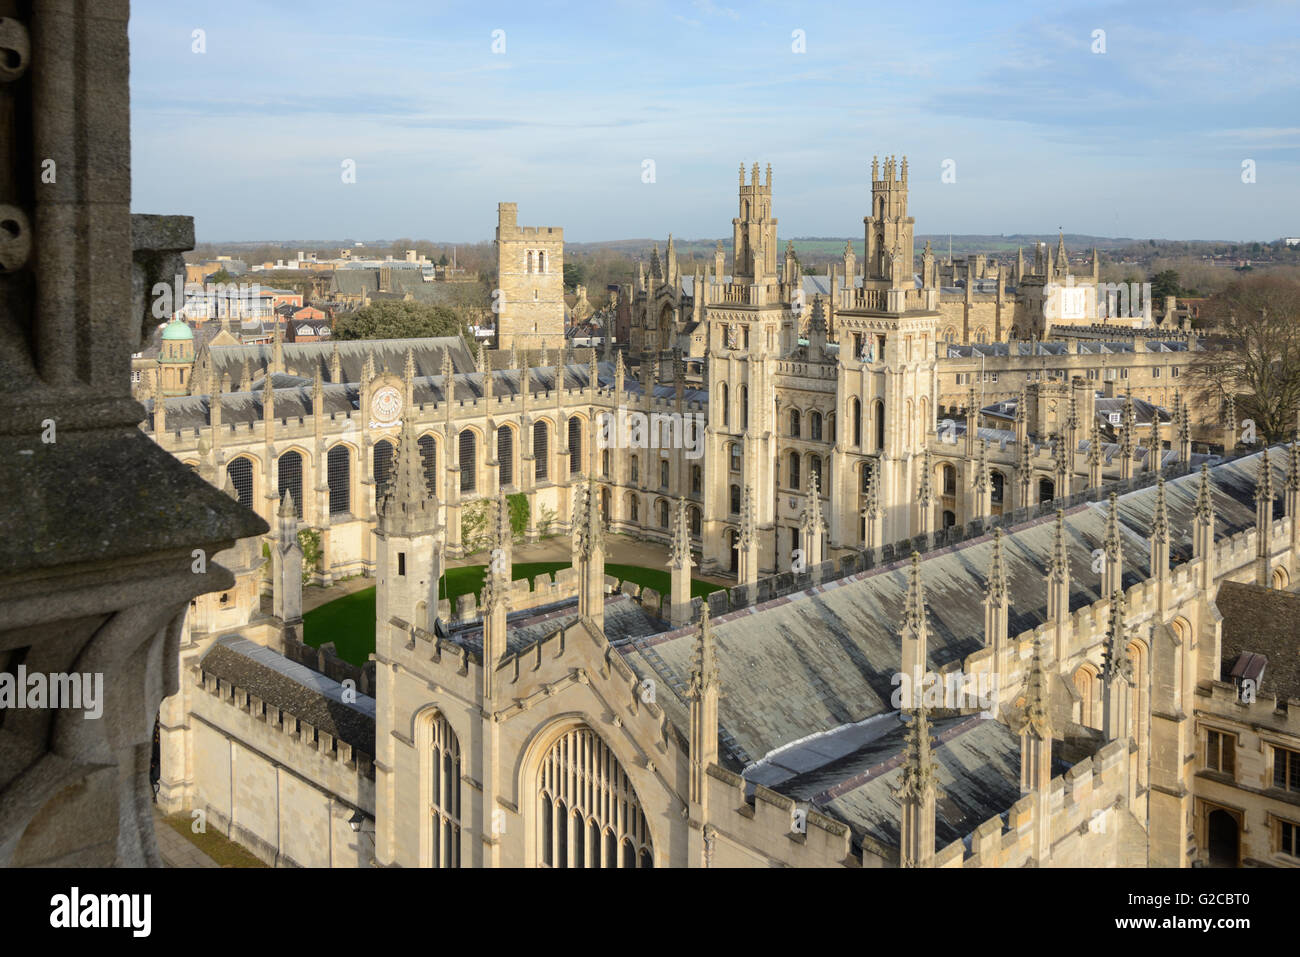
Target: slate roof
x=814, y=661
x=1262, y=621
x=293, y=392
x=405, y=279
x=289, y=686
x=304, y=357
x=977, y=764
x=624, y=618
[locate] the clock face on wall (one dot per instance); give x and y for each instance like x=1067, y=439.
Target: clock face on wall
x=385, y=406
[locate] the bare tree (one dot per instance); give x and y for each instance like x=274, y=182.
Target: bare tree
x=1256, y=355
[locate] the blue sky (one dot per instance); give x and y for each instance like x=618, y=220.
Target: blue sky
x=1144, y=140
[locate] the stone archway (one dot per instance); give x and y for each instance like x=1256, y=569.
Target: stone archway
x=1222, y=838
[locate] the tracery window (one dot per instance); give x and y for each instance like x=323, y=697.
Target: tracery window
x=429, y=457
x=540, y=450
x=575, y=445
x=241, y=476
x=338, y=470
x=289, y=475
x=468, y=461
x=382, y=462
x=589, y=814
x=442, y=758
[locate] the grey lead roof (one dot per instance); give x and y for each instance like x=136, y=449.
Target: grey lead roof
x=289, y=686
x=811, y=662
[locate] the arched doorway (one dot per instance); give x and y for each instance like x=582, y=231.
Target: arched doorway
x=735, y=552
x=1046, y=490
x=1223, y=838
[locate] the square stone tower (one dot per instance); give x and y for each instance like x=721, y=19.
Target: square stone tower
x=529, y=301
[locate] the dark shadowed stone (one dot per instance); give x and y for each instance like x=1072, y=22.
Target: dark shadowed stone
x=766, y=589
x=718, y=603
x=783, y=583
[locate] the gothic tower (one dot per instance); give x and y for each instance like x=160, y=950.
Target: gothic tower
x=754, y=230
x=889, y=228
x=409, y=547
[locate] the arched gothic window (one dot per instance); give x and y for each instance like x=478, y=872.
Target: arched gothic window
x=381, y=458
x=468, y=461
x=589, y=814
x=794, y=470
x=338, y=471
x=429, y=457
x=506, y=456
x=540, y=450
x=441, y=757
x=240, y=471
x=815, y=426
x=575, y=445
x=289, y=478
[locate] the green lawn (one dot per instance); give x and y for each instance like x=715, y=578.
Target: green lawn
x=349, y=621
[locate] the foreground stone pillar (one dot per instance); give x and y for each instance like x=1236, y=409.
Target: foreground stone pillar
x=107, y=538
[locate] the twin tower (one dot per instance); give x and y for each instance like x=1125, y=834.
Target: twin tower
x=887, y=235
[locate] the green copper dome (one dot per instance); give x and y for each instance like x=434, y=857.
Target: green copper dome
x=176, y=329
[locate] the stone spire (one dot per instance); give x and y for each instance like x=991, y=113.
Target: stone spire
x=336, y=365
x=1026, y=469
x=1115, y=671
x=1058, y=585
x=500, y=539
x=1156, y=461
x=1037, y=718
x=1022, y=415
x=915, y=629
x=680, y=563
x=1184, y=431
x=1035, y=727
x=703, y=692
x=925, y=495
x=1160, y=532
x=1113, y=573
x=408, y=507
x=1126, y=438
x=916, y=791
x=495, y=598
x=1094, y=456
x=748, y=543
x=1203, y=531
x=812, y=524
x=448, y=378
x=1264, y=521
x=1060, y=468
x=982, y=483
x=286, y=565
x=589, y=552
x=995, y=607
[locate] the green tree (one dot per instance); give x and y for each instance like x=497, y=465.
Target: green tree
x=220, y=276
x=399, y=319
x=1165, y=283
x=443, y=260
x=574, y=275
